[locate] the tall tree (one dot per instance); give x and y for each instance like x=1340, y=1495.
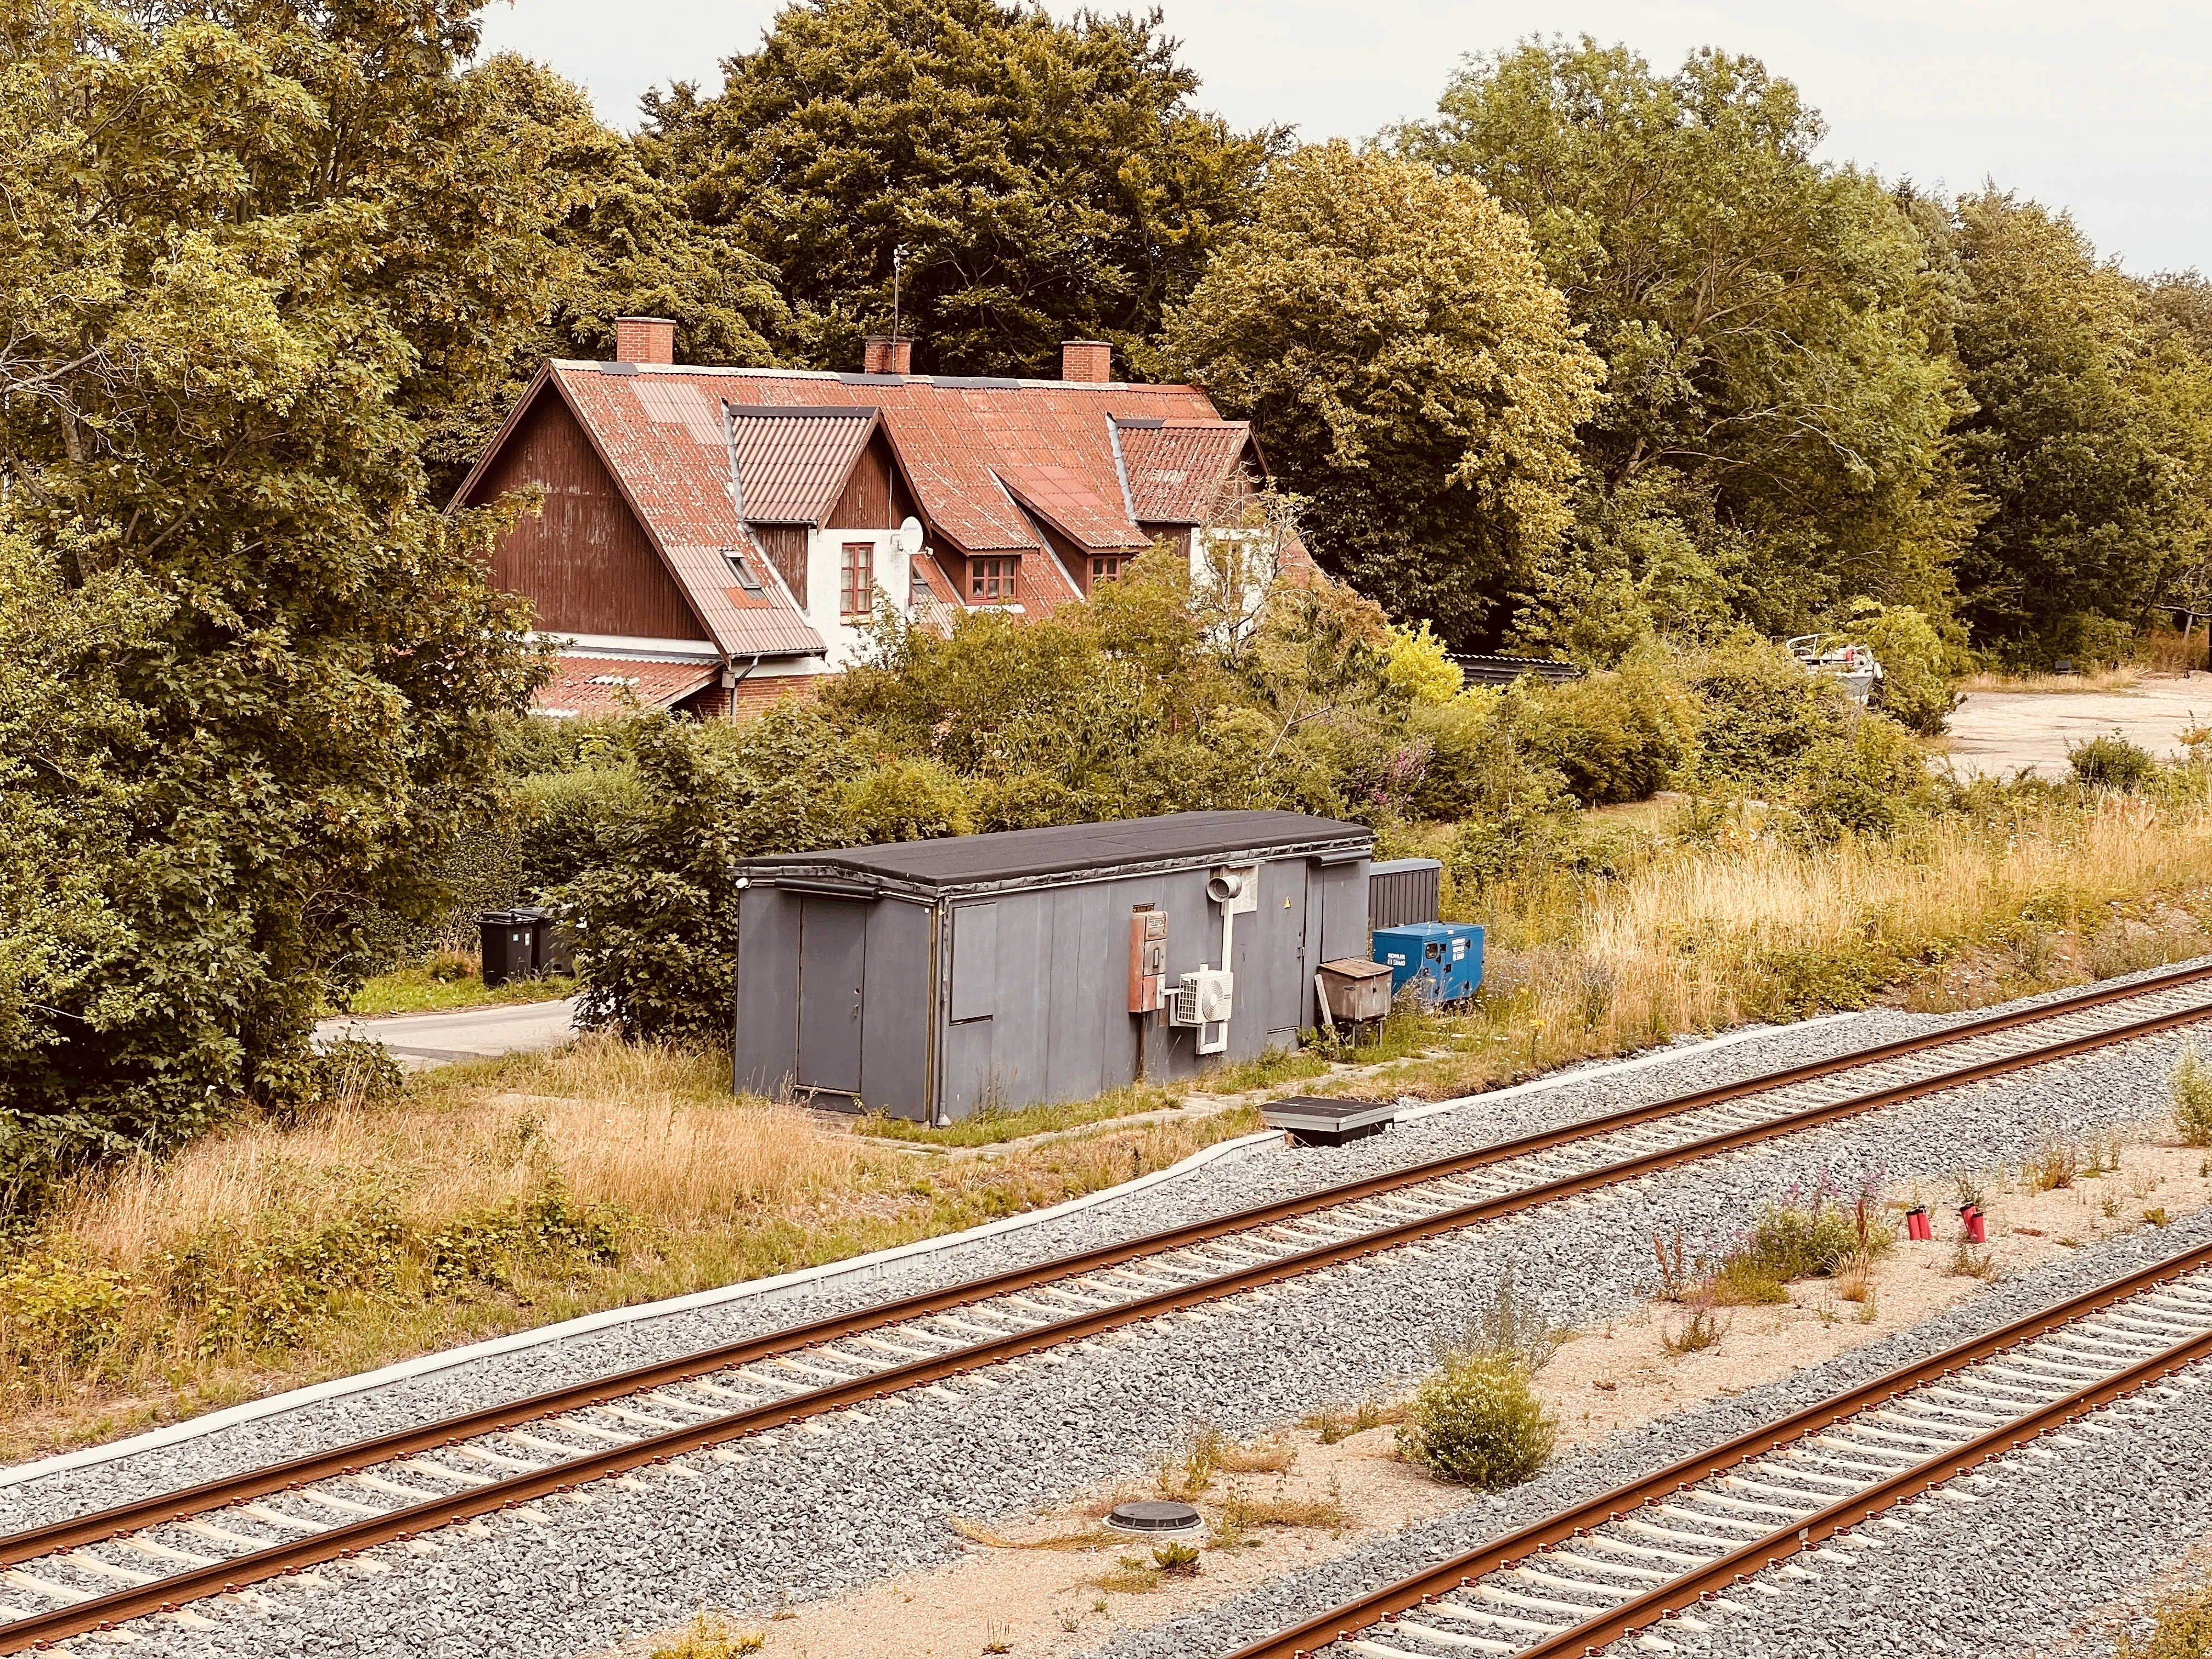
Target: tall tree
x=248, y=255
x=614, y=242
x=1046, y=180
x=1410, y=372
x=2090, y=438
x=1774, y=405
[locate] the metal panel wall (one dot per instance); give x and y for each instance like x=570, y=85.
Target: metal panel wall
x=1283, y=975
x=976, y=959
x=1093, y=1045
x=969, y=1040
x=894, y=1036
x=1030, y=992
x=1400, y=890
x=766, y=1046
x=1340, y=893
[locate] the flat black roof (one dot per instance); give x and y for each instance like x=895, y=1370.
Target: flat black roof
x=1013, y=854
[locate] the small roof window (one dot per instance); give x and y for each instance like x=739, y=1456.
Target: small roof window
x=742, y=568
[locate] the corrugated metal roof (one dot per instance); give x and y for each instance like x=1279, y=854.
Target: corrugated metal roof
x=793, y=463
x=980, y=456
x=607, y=685
x=1064, y=496
x=664, y=444
x=1176, y=468
x=951, y=436
x=756, y=621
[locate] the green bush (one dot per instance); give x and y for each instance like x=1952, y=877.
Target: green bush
x=1870, y=780
x=2192, y=1100
x=565, y=823
x=1476, y=1420
x=1763, y=716
x=904, y=800
x=1809, y=1239
x=357, y=1072
x=1480, y=765
x=1917, y=688
x=2095, y=641
x=54, y=1310
x=656, y=917
x=1614, y=736
x=2111, y=762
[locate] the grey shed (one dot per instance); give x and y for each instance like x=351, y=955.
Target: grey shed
x=929, y=978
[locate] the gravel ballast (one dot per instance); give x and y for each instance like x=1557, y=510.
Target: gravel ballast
x=2044, y=1544
x=814, y=1511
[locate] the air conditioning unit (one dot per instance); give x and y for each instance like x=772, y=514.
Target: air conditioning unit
x=1202, y=1001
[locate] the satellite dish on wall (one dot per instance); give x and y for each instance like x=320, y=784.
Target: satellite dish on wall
x=910, y=536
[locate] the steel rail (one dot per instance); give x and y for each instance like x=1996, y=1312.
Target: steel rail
x=1301, y=1640
x=126, y=1517
x=122, y=1519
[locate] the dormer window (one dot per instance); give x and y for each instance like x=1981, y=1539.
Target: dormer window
x=991, y=581
x=742, y=568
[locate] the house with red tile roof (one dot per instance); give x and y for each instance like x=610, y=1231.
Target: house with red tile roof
x=710, y=539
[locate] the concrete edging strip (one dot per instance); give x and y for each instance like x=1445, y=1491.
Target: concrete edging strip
x=782, y=1285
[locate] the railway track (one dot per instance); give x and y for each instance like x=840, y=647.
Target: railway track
x=1688, y=1543
x=158, y=1554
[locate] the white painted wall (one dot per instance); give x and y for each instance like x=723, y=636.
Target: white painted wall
x=825, y=551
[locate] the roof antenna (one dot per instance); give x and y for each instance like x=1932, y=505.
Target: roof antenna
x=898, y=258
x=736, y=482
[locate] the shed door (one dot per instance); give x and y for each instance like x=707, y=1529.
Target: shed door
x=833, y=959
x=1284, y=972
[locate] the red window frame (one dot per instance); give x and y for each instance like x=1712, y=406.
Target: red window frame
x=992, y=580
x=1105, y=567
x=856, y=579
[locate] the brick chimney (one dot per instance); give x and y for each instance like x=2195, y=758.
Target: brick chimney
x=1088, y=361
x=645, y=340
x=885, y=355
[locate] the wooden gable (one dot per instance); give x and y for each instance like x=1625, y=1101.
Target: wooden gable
x=583, y=561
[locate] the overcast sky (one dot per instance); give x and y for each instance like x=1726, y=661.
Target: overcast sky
x=2100, y=108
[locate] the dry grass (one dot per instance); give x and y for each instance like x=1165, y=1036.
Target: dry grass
x=710, y=1636
x=1242, y=1511
x=1334, y=1423
x=492, y=1198
x=1702, y=933
x=1088, y=1538
x=2126, y=678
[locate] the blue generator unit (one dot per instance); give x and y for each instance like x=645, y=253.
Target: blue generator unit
x=1446, y=955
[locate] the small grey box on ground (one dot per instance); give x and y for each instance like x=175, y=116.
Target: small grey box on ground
x=1313, y=1121
x=1357, y=990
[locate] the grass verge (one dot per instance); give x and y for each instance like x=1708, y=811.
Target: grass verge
x=487, y=1199
x=427, y=988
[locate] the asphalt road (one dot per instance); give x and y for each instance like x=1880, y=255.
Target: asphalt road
x=420, y=1040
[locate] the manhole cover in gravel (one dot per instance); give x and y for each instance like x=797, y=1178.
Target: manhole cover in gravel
x=1153, y=1518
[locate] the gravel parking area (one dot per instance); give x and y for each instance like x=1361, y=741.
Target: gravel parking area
x=803, y=1513
x=1997, y=733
